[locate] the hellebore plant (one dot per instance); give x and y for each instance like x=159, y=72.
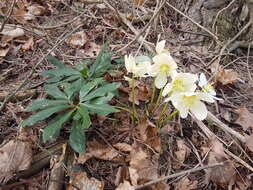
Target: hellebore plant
x=186, y=91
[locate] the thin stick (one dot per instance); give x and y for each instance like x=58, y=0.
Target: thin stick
x=177, y=175
x=145, y=27
x=194, y=22
x=34, y=68
x=8, y=16
x=225, y=127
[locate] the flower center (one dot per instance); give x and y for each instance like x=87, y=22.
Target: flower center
x=208, y=87
x=164, y=68
x=190, y=100
x=178, y=85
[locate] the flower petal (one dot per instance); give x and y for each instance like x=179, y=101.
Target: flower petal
x=160, y=47
x=199, y=110
x=206, y=97
x=202, y=80
x=160, y=80
x=130, y=63
x=183, y=110
x=167, y=89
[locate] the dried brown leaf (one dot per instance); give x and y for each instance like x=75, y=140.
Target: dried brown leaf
x=223, y=175
x=245, y=118
x=125, y=186
x=100, y=151
x=3, y=52
x=16, y=155
x=148, y=133
x=226, y=76
x=36, y=10
x=82, y=182
x=249, y=142
x=138, y=2
x=185, y=184
x=183, y=151
x=29, y=44
x=10, y=33
x=143, y=167
x=77, y=39
x=122, y=175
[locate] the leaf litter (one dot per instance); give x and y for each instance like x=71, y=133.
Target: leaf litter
x=143, y=140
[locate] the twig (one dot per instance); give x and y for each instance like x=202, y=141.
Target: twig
x=177, y=175
x=59, y=25
x=194, y=22
x=225, y=127
x=8, y=15
x=144, y=28
x=34, y=68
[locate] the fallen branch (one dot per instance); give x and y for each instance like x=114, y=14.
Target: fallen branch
x=177, y=175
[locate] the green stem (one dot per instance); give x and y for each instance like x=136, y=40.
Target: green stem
x=152, y=97
x=158, y=100
x=163, y=111
x=169, y=117
x=133, y=99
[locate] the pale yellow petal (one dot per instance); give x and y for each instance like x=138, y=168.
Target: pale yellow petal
x=160, y=80
x=160, y=47
x=199, y=110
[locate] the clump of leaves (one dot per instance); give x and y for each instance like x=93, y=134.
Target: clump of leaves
x=72, y=96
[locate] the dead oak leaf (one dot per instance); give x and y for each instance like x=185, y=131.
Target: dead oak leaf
x=11, y=32
x=223, y=175
x=245, y=118
x=28, y=45
x=125, y=186
x=3, y=52
x=81, y=181
x=100, y=151
x=226, y=76
x=77, y=39
x=183, y=151
x=16, y=155
x=249, y=142
x=186, y=184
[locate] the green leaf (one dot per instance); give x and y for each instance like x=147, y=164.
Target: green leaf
x=102, y=109
x=102, y=100
x=102, y=63
x=54, y=127
x=55, y=62
x=88, y=87
x=141, y=59
x=66, y=71
x=56, y=93
x=43, y=115
x=77, y=139
x=101, y=91
x=44, y=103
x=85, y=116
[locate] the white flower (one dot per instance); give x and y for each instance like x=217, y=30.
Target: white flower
x=160, y=47
x=163, y=66
x=130, y=63
x=191, y=102
x=207, y=87
x=181, y=82
x=140, y=70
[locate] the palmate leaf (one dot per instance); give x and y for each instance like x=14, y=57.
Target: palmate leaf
x=77, y=139
x=101, y=91
x=102, y=100
x=44, y=103
x=102, y=109
x=43, y=115
x=54, y=127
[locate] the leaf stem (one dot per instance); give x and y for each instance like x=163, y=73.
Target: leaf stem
x=158, y=100
x=152, y=97
x=169, y=117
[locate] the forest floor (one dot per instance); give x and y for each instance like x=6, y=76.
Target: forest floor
x=118, y=154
